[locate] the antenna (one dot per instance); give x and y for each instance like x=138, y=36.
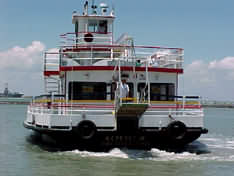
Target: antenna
x=94, y=7
x=86, y=8
x=113, y=9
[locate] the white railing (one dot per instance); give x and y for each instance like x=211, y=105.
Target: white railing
x=75, y=111
x=172, y=58
x=70, y=39
x=173, y=107
x=74, y=46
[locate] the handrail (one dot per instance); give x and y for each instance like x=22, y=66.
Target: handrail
x=73, y=111
x=115, y=45
x=188, y=99
x=114, y=53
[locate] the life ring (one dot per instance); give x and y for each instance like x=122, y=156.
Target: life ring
x=177, y=130
x=86, y=130
x=88, y=37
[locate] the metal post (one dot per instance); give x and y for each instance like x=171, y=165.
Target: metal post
x=119, y=83
x=147, y=80
x=183, y=103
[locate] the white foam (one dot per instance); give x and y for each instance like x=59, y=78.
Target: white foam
x=153, y=155
x=113, y=153
x=169, y=156
x=209, y=148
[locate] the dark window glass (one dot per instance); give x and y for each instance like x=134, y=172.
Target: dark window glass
x=158, y=91
x=87, y=91
x=93, y=26
x=102, y=26
x=98, y=26
x=171, y=92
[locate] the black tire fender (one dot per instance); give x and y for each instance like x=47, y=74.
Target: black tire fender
x=86, y=129
x=177, y=130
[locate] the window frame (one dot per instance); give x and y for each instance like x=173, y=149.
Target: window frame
x=99, y=91
x=158, y=96
x=98, y=26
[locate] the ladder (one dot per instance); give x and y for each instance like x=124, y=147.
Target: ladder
x=51, y=73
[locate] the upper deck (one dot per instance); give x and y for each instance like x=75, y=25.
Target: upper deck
x=92, y=46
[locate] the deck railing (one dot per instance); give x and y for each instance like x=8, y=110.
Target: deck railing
x=89, y=55
x=71, y=38
x=74, y=47
x=56, y=104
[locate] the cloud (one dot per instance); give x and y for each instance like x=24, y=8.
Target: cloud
x=226, y=63
x=22, y=67
x=19, y=58
x=212, y=80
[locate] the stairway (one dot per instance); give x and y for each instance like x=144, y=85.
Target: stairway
x=51, y=84
x=51, y=73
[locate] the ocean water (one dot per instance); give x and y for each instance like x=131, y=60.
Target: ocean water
x=212, y=154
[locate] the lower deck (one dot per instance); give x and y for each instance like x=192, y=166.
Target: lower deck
x=168, y=122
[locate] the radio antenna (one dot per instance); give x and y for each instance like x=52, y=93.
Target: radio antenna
x=86, y=8
x=94, y=7
x=113, y=9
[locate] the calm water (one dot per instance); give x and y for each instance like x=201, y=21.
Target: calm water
x=212, y=154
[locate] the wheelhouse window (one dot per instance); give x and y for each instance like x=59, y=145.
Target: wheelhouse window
x=98, y=26
x=87, y=91
x=158, y=91
x=102, y=27
x=93, y=26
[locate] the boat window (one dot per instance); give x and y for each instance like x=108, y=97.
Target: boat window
x=87, y=91
x=102, y=26
x=171, y=92
x=93, y=26
x=98, y=26
x=158, y=91
x=113, y=88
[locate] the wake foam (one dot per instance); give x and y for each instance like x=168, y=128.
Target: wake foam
x=117, y=153
x=153, y=154
x=209, y=148
x=161, y=155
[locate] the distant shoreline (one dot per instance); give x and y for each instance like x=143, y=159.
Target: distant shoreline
x=218, y=106
x=12, y=100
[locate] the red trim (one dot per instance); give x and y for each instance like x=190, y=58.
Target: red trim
x=86, y=106
x=48, y=73
x=177, y=107
x=126, y=46
x=73, y=33
x=87, y=16
x=85, y=49
x=112, y=106
x=126, y=68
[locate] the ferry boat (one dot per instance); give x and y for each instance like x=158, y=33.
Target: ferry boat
x=102, y=93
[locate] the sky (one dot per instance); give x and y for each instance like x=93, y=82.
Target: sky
x=204, y=28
